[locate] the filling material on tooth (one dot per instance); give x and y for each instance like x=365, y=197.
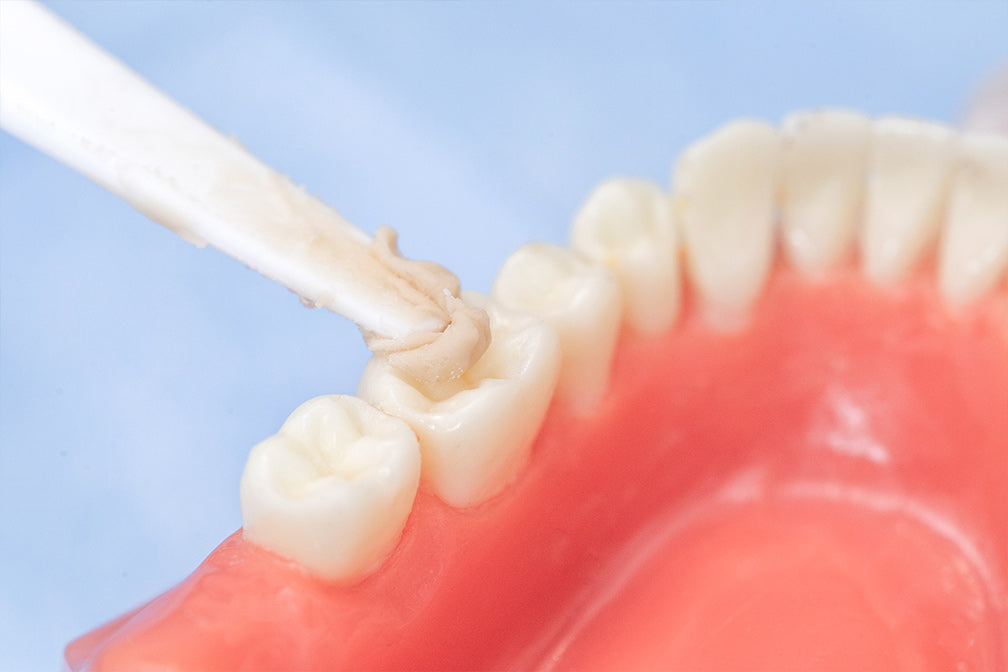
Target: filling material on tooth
x=822, y=186
x=474, y=439
x=909, y=166
x=626, y=226
x=723, y=195
x=580, y=300
x=333, y=488
x=974, y=245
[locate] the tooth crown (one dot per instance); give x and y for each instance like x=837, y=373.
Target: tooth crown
x=723, y=192
x=974, y=247
x=626, y=225
x=909, y=167
x=823, y=161
x=580, y=300
x=474, y=441
x=333, y=488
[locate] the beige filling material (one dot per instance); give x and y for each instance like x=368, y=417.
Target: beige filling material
x=434, y=359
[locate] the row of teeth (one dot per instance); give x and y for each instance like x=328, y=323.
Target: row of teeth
x=333, y=489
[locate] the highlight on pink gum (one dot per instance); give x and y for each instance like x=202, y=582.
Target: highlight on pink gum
x=144, y=370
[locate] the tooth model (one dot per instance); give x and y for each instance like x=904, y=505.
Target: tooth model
x=741, y=462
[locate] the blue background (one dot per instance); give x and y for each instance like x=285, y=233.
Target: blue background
x=136, y=371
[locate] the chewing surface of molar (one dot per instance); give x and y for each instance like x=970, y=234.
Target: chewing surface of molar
x=333, y=488
x=626, y=226
x=474, y=441
x=823, y=160
x=723, y=194
x=909, y=167
x=580, y=300
x=973, y=252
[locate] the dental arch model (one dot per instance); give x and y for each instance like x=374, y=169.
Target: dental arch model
x=630, y=456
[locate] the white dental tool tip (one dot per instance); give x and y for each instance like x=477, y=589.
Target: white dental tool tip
x=66, y=96
x=333, y=488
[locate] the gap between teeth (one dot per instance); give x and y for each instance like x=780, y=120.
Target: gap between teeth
x=835, y=184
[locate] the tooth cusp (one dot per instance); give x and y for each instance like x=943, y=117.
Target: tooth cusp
x=724, y=197
x=474, y=441
x=333, y=488
x=580, y=300
x=626, y=225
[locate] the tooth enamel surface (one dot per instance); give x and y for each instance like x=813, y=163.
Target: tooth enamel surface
x=626, y=226
x=974, y=247
x=333, y=488
x=474, y=441
x=723, y=194
x=823, y=161
x=580, y=300
x=909, y=166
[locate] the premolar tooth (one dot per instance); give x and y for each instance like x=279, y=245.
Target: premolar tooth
x=626, y=226
x=974, y=245
x=474, y=441
x=822, y=186
x=723, y=194
x=580, y=300
x=909, y=166
x=333, y=488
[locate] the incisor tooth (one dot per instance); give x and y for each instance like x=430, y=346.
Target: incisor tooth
x=580, y=300
x=723, y=194
x=474, y=441
x=974, y=245
x=909, y=166
x=625, y=225
x=333, y=488
x=823, y=160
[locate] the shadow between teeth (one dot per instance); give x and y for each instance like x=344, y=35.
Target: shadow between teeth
x=835, y=184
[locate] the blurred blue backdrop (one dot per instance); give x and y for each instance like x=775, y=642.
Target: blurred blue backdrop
x=136, y=371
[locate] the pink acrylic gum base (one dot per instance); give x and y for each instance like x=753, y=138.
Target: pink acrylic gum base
x=826, y=490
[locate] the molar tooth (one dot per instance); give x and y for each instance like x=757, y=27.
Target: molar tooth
x=973, y=252
x=823, y=161
x=474, y=440
x=626, y=226
x=723, y=194
x=580, y=300
x=909, y=166
x=333, y=488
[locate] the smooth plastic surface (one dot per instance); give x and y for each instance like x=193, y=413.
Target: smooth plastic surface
x=827, y=490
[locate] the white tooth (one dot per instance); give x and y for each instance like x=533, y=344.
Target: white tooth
x=823, y=161
x=333, y=488
x=580, y=300
x=474, y=441
x=723, y=192
x=974, y=246
x=909, y=166
x=625, y=225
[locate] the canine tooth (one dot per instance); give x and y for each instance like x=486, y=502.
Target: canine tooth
x=474, y=441
x=626, y=226
x=909, y=166
x=580, y=300
x=723, y=193
x=823, y=160
x=333, y=488
x=973, y=251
